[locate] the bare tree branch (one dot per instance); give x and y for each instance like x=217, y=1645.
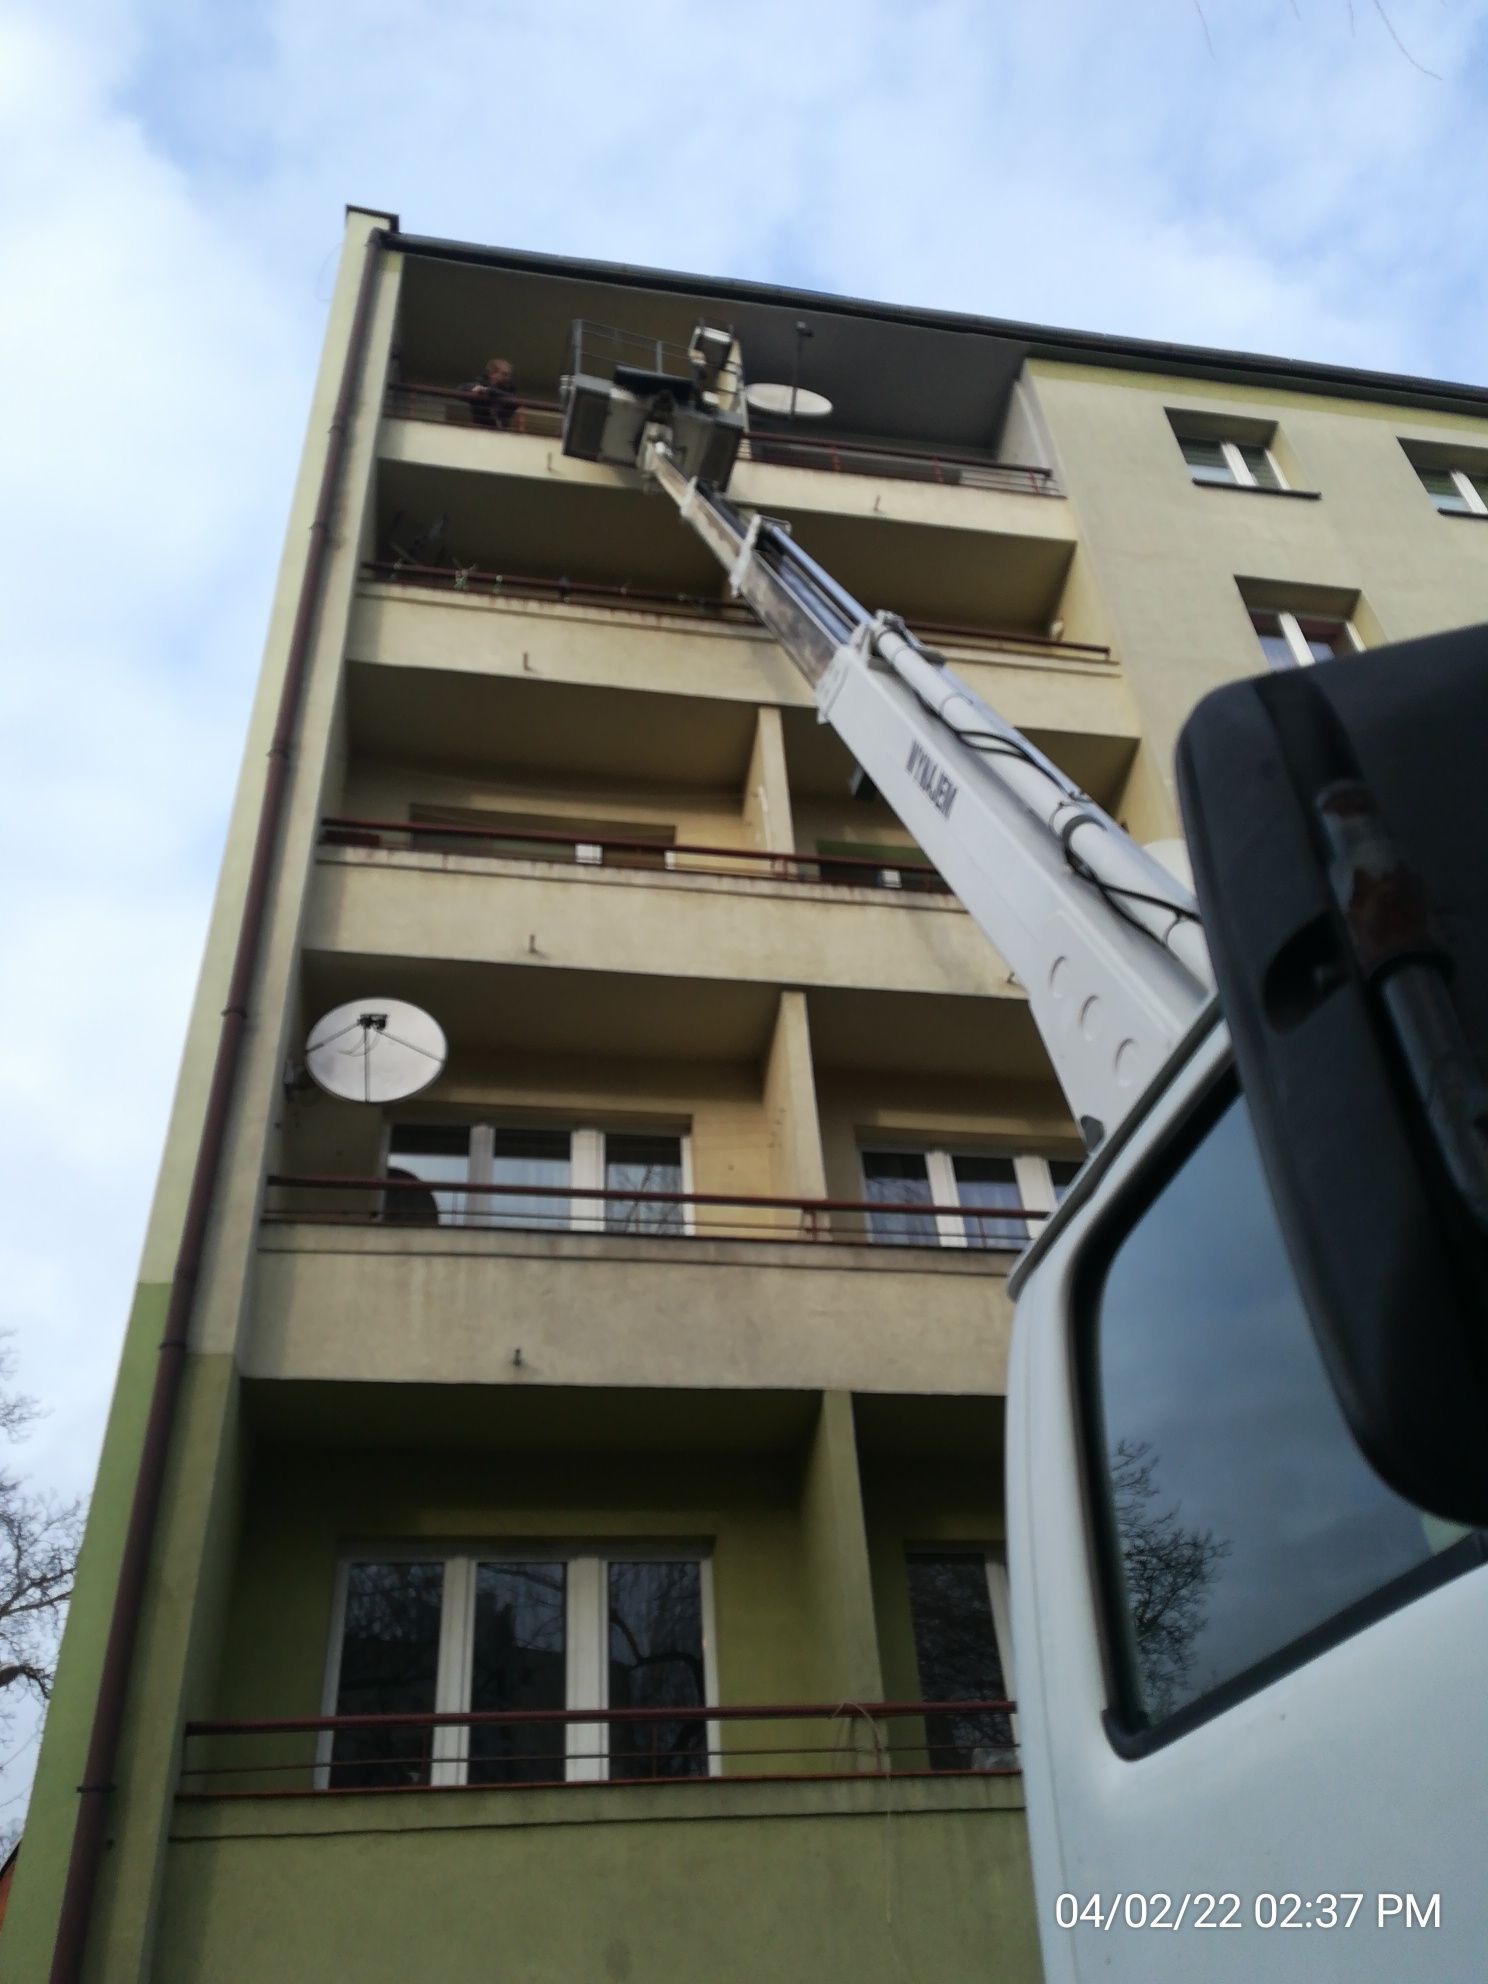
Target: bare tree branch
x=1168, y=1573
x=39, y=1539
x=25, y=1670
x=1379, y=8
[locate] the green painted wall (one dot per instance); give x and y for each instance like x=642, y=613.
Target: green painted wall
x=306, y=1508
x=839, y=1590
x=190, y=1562
x=852, y=1881
x=1163, y=555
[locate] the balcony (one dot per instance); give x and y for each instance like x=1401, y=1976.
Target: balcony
x=366, y=1280
x=400, y=1199
x=936, y=536
x=964, y=640
x=692, y=1807
x=832, y=1870
x=654, y=856
x=701, y=914
x=442, y=657
x=777, y=447
x=762, y=1252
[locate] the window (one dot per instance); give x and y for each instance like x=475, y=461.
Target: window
x=1240, y=1522
x=540, y=1165
x=1297, y=640
x=982, y=1197
x=959, y=1608
x=642, y=1165
x=1456, y=492
x=1239, y=464
x=389, y=1660
x=434, y=1155
x=529, y=1159
x=512, y=1629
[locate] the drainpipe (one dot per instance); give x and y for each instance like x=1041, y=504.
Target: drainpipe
x=108, y=1715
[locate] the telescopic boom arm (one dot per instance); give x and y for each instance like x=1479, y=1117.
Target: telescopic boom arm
x=1103, y=939
x=1105, y=942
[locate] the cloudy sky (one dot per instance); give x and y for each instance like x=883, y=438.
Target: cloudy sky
x=1282, y=175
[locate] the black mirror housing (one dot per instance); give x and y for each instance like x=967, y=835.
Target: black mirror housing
x=1337, y=819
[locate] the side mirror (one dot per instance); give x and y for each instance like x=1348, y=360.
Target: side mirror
x=1337, y=817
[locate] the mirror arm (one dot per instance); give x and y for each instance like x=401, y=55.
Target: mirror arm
x=1389, y=924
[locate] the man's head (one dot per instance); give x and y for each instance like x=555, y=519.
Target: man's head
x=498, y=371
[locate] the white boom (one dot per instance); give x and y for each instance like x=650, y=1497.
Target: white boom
x=1105, y=942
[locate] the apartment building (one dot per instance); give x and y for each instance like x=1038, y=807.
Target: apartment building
x=577, y=1548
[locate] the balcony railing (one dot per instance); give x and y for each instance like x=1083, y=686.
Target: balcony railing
x=460, y=407
x=552, y=1749
x=401, y=1198
x=889, y=462
x=776, y=448
x=456, y=577
x=576, y=846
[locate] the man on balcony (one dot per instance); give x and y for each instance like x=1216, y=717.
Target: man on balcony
x=492, y=401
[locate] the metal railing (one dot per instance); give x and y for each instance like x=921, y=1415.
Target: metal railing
x=887, y=461
x=461, y=406
x=401, y=1198
x=575, y=845
x=772, y=447
x=551, y=1749
x=565, y=591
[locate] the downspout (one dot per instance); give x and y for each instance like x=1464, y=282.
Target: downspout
x=108, y=1715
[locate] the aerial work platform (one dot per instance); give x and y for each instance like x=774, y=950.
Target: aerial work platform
x=620, y=383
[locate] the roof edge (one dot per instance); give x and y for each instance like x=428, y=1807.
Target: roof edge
x=1038, y=340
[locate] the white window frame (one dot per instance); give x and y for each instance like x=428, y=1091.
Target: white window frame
x=586, y=1169
x=994, y=1563
x=1032, y=1179
x=586, y=1642
x=1291, y=630
x=1465, y=488
x=1239, y=468
x=1235, y=462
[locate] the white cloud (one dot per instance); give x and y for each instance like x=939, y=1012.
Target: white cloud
x=165, y=274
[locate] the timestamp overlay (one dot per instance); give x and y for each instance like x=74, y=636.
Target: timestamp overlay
x=1197, y=1909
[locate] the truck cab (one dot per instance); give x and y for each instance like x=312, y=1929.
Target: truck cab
x=1248, y=1670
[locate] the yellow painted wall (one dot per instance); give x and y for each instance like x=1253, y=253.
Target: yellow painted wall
x=1164, y=553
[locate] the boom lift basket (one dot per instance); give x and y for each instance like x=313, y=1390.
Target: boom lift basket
x=619, y=383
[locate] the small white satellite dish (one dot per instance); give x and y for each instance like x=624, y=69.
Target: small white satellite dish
x=375, y=1050
x=798, y=402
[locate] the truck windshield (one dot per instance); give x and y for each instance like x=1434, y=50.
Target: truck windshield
x=1244, y=1528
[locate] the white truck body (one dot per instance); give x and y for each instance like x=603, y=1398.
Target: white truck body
x=1355, y=1773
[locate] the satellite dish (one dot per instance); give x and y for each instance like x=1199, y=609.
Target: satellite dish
x=375, y=1050
x=798, y=402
